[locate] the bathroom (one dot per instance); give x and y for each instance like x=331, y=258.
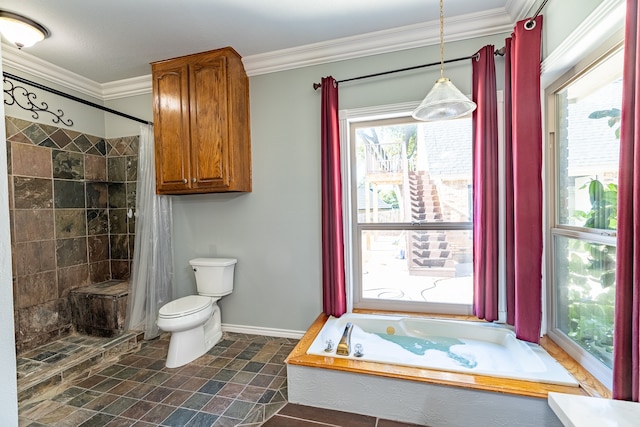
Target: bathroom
x=274, y=231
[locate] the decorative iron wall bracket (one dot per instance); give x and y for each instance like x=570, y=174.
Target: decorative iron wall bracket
x=23, y=98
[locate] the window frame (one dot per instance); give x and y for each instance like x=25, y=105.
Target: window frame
x=350, y=120
x=554, y=227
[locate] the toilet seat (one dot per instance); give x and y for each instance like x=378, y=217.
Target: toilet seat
x=185, y=306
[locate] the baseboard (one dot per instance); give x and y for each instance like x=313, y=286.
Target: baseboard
x=256, y=330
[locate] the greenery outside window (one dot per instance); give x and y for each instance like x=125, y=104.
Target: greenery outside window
x=585, y=119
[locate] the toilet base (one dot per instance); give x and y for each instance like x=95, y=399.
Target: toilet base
x=187, y=346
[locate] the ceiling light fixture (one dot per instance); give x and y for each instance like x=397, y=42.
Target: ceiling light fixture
x=444, y=101
x=20, y=30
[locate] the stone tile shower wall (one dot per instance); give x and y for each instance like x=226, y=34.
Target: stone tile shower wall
x=69, y=196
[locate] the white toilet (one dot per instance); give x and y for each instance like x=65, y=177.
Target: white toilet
x=194, y=321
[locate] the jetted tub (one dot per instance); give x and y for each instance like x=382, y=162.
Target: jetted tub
x=458, y=346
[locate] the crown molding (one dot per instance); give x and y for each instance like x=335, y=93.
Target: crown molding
x=602, y=23
x=486, y=23
x=518, y=9
x=27, y=63
x=127, y=87
x=457, y=28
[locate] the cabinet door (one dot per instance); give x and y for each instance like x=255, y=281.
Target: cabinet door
x=209, y=123
x=171, y=124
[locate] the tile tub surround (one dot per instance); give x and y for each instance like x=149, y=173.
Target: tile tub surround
x=69, y=197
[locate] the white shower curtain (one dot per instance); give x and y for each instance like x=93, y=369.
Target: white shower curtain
x=152, y=265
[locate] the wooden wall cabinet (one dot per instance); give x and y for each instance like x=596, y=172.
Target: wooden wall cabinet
x=201, y=122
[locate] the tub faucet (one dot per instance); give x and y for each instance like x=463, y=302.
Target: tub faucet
x=344, y=346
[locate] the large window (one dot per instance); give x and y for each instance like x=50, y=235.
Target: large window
x=411, y=215
x=586, y=111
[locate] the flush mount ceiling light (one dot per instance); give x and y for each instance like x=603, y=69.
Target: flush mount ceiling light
x=20, y=30
x=444, y=101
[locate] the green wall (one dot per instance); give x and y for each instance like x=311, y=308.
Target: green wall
x=275, y=231
x=561, y=18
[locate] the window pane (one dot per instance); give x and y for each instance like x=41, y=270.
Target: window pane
x=414, y=172
x=585, y=294
x=588, y=113
x=427, y=265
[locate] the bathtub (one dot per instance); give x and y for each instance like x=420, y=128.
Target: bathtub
x=447, y=345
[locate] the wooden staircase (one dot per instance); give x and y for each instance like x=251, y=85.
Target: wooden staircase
x=430, y=253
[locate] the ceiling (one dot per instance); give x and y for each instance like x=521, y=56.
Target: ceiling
x=113, y=40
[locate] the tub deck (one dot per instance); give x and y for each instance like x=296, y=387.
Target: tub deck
x=589, y=386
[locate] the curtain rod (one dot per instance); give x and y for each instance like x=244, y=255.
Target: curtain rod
x=497, y=52
x=535, y=15
x=500, y=52
x=73, y=98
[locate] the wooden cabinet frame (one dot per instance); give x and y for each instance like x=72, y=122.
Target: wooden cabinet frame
x=201, y=115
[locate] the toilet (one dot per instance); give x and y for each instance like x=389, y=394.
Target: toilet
x=194, y=321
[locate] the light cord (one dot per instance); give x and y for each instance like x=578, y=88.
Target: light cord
x=441, y=39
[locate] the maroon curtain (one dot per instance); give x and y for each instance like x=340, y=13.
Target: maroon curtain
x=509, y=248
x=485, y=186
x=626, y=337
x=526, y=163
x=334, y=299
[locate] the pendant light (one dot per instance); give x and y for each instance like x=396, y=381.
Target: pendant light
x=444, y=101
x=20, y=30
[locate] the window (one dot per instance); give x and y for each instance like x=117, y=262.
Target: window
x=411, y=205
x=586, y=112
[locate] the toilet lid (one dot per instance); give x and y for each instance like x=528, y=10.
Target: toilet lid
x=185, y=306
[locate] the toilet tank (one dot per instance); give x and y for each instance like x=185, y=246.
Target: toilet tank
x=214, y=276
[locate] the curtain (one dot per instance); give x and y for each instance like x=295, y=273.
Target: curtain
x=334, y=299
x=152, y=264
x=626, y=337
x=485, y=186
x=508, y=189
x=523, y=157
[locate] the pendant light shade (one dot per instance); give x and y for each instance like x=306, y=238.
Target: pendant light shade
x=20, y=30
x=444, y=101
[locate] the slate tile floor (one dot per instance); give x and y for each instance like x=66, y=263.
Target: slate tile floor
x=305, y=416
x=240, y=382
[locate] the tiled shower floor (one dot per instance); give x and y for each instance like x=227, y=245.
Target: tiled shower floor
x=50, y=367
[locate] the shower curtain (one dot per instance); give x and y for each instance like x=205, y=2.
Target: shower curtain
x=152, y=265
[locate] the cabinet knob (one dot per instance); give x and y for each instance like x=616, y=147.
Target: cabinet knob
x=184, y=180
x=193, y=180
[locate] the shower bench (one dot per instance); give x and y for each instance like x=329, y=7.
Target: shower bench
x=100, y=309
